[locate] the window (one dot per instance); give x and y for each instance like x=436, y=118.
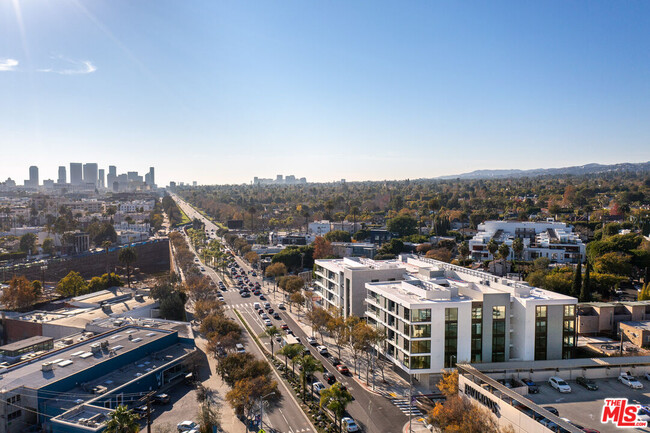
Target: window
x=405, y=344
x=541, y=328
x=498, y=333
x=420, y=362
x=451, y=337
x=420, y=331
x=498, y=312
x=421, y=315
x=421, y=346
x=13, y=415
x=568, y=331
x=407, y=313
x=477, y=333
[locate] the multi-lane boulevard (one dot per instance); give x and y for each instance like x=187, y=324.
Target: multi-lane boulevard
x=373, y=412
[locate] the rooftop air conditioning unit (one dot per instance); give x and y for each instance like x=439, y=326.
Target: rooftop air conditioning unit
x=47, y=366
x=95, y=347
x=104, y=343
x=68, y=341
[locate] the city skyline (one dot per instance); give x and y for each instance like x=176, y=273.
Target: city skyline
x=422, y=91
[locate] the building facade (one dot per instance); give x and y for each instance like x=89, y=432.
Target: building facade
x=441, y=314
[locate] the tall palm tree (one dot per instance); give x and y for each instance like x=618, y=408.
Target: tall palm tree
x=309, y=365
x=106, y=245
x=122, y=420
x=271, y=333
x=335, y=399
x=127, y=257
x=291, y=351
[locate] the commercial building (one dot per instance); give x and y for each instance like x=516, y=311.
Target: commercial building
x=33, y=181
x=354, y=249
x=638, y=333
x=92, y=376
x=554, y=240
x=341, y=282
x=90, y=173
x=63, y=178
x=441, y=314
x=101, y=181
x=76, y=176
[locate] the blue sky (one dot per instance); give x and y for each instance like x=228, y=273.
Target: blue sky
x=221, y=91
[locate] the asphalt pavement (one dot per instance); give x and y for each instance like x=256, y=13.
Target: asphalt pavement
x=374, y=413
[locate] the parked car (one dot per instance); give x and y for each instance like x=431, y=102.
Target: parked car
x=268, y=322
x=349, y=425
x=142, y=410
x=270, y=311
x=276, y=316
x=281, y=305
x=322, y=350
x=630, y=381
x=343, y=369
x=647, y=375
x=318, y=387
x=559, y=384
x=161, y=398
x=551, y=409
x=262, y=298
x=267, y=305
x=284, y=326
x=335, y=361
x=312, y=341
x=532, y=386
x=329, y=377
x=587, y=383
x=185, y=426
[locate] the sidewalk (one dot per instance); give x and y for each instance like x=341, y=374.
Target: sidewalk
x=394, y=386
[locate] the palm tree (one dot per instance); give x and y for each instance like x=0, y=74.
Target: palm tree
x=271, y=333
x=291, y=351
x=252, y=211
x=492, y=247
x=127, y=257
x=122, y=420
x=310, y=365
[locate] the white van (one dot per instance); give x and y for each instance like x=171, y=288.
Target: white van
x=240, y=348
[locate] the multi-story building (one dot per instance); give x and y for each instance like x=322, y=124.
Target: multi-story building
x=341, y=282
x=90, y=173
x=553, y=240
x=101, y=182
x=33, y=177
x=318, y=228
x=76, y=170
x=440, y=314
x=63, y=178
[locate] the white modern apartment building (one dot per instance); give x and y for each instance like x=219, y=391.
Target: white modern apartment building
x=553, y=240
x=136, y=206
x=341, y=282
x=441, y=314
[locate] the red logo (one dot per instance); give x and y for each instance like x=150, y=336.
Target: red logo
x=621, y=414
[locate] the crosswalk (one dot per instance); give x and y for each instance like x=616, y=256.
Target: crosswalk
x=403, y=405
x=241, y=306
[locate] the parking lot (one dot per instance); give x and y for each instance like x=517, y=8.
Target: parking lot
x=584, y=407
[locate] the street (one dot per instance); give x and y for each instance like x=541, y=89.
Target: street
x=373, y=412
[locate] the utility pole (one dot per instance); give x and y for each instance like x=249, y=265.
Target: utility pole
x=410, y=397
x=147, y=398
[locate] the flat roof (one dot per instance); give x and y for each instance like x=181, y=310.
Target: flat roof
x=613, y=361
x=645, y=325
x=17, y=345
x=29, y=373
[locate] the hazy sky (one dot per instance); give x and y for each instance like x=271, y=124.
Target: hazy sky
x=221, y=91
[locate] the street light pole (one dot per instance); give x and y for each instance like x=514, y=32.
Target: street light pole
x=262, y=408
x=410, y=398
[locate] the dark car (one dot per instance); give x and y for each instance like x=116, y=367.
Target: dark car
x=587, y=383
x=276, y=316
x=552, y=410
x=532, y=386
x=161, y=399
x=262, y=298
x=329, y=377
x=270, y=310
x=335, y=361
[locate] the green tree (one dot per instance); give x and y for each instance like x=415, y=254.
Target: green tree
x=585, y=293
x=518, y=247
x=644, y=294
x=271, y=332
x=28, y=243
x=335, y=399
x=463, y=250
x=576, y=287
x=504, y=252
x=309, y=365
x=290, y=351
x=338, y=236
x=48, y=246
x=122, y=420
x=72, y=284
x=127, y=257
x=403, y=225
x=492, y=247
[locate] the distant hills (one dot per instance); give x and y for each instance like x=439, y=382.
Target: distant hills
x=575, y=170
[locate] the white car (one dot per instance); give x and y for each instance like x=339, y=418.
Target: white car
x=559, y=384
x=349, y=425
x=267, y=322
x=186, y=426
x=312, y=341
x=630, y=381
x=321, y=349
x=318, y=387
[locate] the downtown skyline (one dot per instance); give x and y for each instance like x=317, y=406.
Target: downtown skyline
x=221, y=92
